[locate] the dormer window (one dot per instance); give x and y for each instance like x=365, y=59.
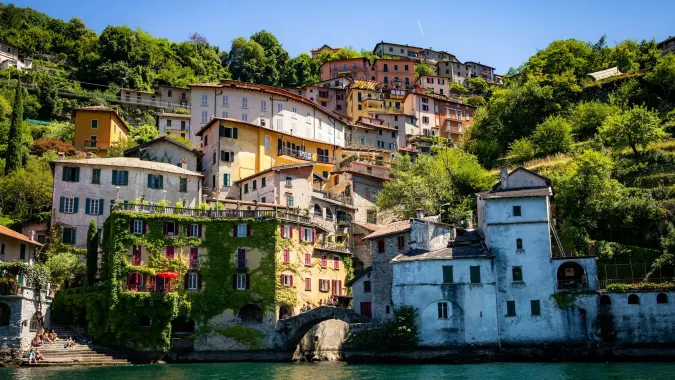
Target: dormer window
x=516, y=211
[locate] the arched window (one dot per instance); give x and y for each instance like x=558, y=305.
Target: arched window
x=251, y=313
x=519, y=243
x=571, y=275
x=605, y=300
x=144, y=321
x=35, y=322
x=662, y=298
x=5, y=312
x=633, y=299
x=318, y=211
x=329, y=214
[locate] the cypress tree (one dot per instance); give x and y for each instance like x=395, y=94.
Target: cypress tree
x=15, y=150
x=92, y=253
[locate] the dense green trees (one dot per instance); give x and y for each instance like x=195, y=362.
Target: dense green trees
x=16, y=154
x=92, y=253
x=632, y=128
x=553, y=136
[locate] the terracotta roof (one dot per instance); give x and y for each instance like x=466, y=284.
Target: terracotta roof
x=480, y=64
x=129, y=162
x=440, y=97
x=391, y=228
x=458, y=252
x=364, y=84
x=406, y=149
x=518, y=193
x=276, y=169
x=368, y=226
x=497, y=185
x=212, y=121
x=104, y=109
x=178, y=115
x=16, y=235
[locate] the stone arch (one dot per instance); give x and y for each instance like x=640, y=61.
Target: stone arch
x=293, y=329
x=571, y=275
x=605, y=300
x=329, y=214
x=662, y=298
x=35, y=322
x=285, y=311
x=251, y=313
x=633, y=299
x=5, y=314
x=318, y=211
x=182, y=325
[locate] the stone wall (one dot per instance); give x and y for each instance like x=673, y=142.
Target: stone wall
x=323, y=342
x=381, y=274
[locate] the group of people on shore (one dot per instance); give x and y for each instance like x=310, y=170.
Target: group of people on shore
x=43, y=337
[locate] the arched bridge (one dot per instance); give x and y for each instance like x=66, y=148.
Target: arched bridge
x=292, y=330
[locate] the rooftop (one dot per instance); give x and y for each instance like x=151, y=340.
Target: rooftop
x=129, y=162
x=604, y=74
x=135, y=90
x=16, y=235
x=161, y=139
x=458, y=252
x=104, y=109
x=275, y=169
x=364, y=84
x=392, y=228
x=517, y=193
x=177, y=115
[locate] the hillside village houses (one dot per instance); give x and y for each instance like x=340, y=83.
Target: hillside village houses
x=9, y=57
x=98, y=128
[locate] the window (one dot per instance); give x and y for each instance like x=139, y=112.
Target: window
x=336, y=262
x=205, y=117
x=68, y=235
x=510, y=308
x=309, y=118
x=267, y=143
x=138, y=227
x=213, y=158
x=241, y=281
x=662, y=298
x=286, y=231
x=225, y=114
x=307, y=234
x=71, y=174
x=401, y=242
x=244, y=102
x=226, y=156
x=69, y=205
x=475, y=274
x=280, y=124
x=425, y=119
x=517, y=273
x=94, y=206
x=255, y=184
x=448, y=274
x=244, y=117
x=280, y=107
x=155, y=181
x=323, y=285
x=182, y=186
x=263, y=200
x=289, y=182
x=380, y=246
x=308, y=283
x=289, y=200
x=516, y=211
x=308, y=259
x=225, y=101
x=519, y=243
x=205, y=100
x=442, y=310
x=226, y=179
x=287, y=280
x=366, y=286
x=206, y=140
x=94, y=124
x=535, y=307
x=242, y=230
x=263, y=105
x=633, y=299
x=194, y=230
x=605, y=300
x=231, y=133
x=96, y=176
x=287, y=256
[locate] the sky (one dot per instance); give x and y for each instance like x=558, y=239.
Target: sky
x=501, y=34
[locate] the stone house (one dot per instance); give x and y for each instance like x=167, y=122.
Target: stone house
x=168, y=150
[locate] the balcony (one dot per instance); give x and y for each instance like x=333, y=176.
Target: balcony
x=344, y=219
x=91, y=144
x=338, y=198
x=194, y=263
x=333, y=247
x=300, y=154
x=324, y=96
x=280, y=214
x=9, y=287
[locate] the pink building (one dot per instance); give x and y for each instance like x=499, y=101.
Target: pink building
x=356, y=68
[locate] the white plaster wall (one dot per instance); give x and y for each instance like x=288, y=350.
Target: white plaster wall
x=521, y=178
x=647, y=322
x=471, y=309
x=175, y=125
x=359, y=295
x=533, y=209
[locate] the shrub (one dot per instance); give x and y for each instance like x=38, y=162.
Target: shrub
x=553, y=136
x=520, y=151
x=40, y=147
x=400, y=333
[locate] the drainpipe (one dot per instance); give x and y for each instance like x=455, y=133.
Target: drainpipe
x=499, y=329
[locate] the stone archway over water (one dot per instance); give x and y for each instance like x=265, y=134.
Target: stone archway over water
x=292, y=330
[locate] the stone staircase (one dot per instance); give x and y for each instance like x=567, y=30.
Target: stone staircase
x=54, y=354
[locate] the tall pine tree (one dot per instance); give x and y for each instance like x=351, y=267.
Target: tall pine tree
x=92, y=253
x=15, y=151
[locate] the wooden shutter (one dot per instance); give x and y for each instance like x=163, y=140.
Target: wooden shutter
x=291, y=283
x=77, y=174
x=248, y=230
x=248, y=281
x=126, y=178
x=199, y=230
x=145, y=227
x=187, y=277
x=281, y=227
x=234, y=281
x=150, y=181
x=234, y=231
x=77, y=202
x=199, y=281
x=62, y=204
x=73, y=235
x=290, y=231
x=101, y=205
x=170, y=252
x=281, y=280
x=64, y=174
x=87, y=206
x=161, y=181
x=234, y=133
x=114, y=177
x=164, y=228
x=339, y=284
x=131, y=226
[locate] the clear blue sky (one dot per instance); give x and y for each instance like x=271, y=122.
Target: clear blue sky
x=498, y=33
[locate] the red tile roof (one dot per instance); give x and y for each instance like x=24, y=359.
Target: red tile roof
x=391, y=228
x=13, y=234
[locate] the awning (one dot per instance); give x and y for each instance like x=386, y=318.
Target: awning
x=167, y=275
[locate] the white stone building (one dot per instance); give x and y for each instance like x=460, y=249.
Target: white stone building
x=265, y=106
x=9, y=57
x=173, y=125
x=87, y=189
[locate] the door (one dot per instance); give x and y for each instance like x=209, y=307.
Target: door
x=366, y=309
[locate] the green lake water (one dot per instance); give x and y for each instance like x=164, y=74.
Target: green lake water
x=326, y=370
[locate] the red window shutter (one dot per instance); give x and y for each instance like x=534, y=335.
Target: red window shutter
x=199, y=230
x=324, y=261
x=308, y=284
x=336, y=263
x=333, y=286
x=145, y=227
x=234, y=231
x=290, y=229
x=291, y=281
x=281, y=228
x=327, y=285
x=248, y=230
x=339, y=287
x=302, y=233
x=281, y=280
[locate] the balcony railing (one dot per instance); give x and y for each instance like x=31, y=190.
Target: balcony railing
x=194, y=263
x=367, y=160
x=9, y=287
x=338, y=198
x=344, y=220
x=297, y=153
x=90, y=143
x=572, y=284
x=281, y=214
x=335, y=247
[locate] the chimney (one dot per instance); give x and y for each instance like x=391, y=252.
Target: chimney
x=62, y=156
x=32, y=235
x=419, y=213
x=504, y=178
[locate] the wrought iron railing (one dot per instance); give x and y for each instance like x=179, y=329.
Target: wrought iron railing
x=282, y=214
x=335, y=247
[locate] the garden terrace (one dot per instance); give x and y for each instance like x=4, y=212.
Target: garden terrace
x=280, y=214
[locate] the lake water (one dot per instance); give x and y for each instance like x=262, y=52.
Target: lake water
x=337, y=370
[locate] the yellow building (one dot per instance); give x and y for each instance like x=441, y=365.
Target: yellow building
x=235, y=149
x=97, y=128
x=364, y=96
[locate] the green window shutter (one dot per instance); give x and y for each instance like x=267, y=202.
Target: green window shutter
x=447, y=274
x=126, y=178
x=536, y=307
x=64, y=175
x=22, y=253
x=475, y=274
x=234, y=133
x=87, y=206
x=65, y=236
x=114, y=177
x=150, y=181
x=77, y=174
x=510, y=308
x=76, y=203
x=62, y=204
x=73, y=235
x=161, y=182
x=101, y=204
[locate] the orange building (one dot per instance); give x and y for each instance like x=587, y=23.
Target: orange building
x=97, y=128
x=355, y=68
x=394, y=74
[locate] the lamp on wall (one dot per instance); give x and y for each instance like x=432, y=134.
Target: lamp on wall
x=118, y=193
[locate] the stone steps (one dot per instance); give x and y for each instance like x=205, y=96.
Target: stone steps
x=54, y=354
